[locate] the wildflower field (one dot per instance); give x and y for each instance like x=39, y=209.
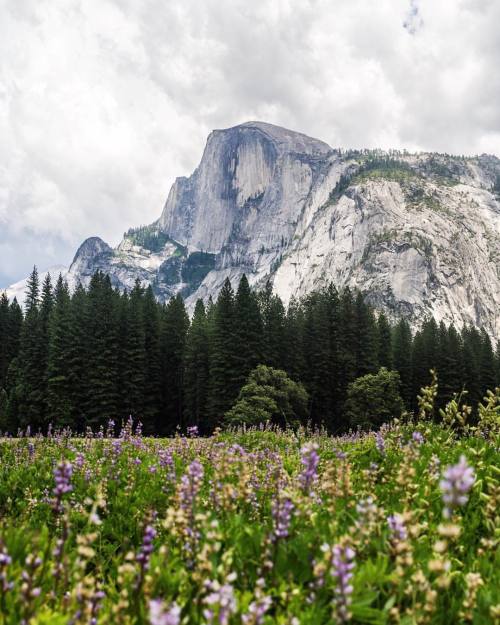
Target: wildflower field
x=248, y=527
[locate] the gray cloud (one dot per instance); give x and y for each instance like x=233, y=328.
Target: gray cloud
x=104, y=102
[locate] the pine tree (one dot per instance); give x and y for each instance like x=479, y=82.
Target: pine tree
x=347, y=339
x=28, y=397
x=274, y=342
x=449, y=367
x=4, y=339
x=384, y=342
x=152, y=380
x=294, y=342
x=402, y=342
x=15, y=325
x=248, y=333
x=132, y=354
x=424, y=357
x=487, y=365
x=497, y=360
x=59, y=404
x=365, y=338
x=471, y=353
x=316, y=353
x=175, y=325
x=223, y=390
x=79, y=356
x=102, y=401
x=197, y=369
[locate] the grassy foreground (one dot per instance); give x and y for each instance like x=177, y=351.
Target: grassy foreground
x=251, y=527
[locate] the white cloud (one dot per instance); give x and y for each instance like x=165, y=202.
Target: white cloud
x=104, y=102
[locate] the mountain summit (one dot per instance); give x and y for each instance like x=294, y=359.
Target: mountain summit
x=419, y=234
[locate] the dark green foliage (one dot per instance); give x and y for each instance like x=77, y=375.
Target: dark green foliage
x=384, y=342
x=487, y=364
x=152, y=395
x=248, y=332
x=81, y=358
x=223, y=389
x=59, y=391
x=174, y=327
x=196, y=368
x=269, y=395
x=102, y=337
x=374, y=399
x=402, y=342
x=132, y=354
x=366, y=343
x=196, y=267
x=449, y=364
x=274, y=333
x=28, y=395
x=148, y=237
x=373, y=165
x=11, y=319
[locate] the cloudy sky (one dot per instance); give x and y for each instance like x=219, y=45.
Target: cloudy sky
x=104, y=102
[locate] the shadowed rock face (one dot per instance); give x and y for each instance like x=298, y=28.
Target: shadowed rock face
x=419, y=234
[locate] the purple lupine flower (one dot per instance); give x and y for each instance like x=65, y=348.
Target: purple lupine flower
x=62, y=477
x=192, y=431
x=417, y=438
x=282, y=509
x=397, y=527
x=256, y=611
x=160, y=615
x=146, y=549
x=457, y=481
x=310, y=460
x=380, y=442
x=5, y=560
x=190, y=485
x=342, y=566
x=221, y=600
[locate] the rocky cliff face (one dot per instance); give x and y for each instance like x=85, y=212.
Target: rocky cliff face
x=419, y=234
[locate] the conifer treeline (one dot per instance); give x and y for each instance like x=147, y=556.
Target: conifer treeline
x=80, y=359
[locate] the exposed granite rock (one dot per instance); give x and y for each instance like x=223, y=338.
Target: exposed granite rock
x=418, y=234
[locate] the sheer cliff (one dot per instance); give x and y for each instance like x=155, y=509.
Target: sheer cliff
x=419, y=234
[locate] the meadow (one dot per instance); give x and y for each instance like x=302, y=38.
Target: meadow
x=251, y=527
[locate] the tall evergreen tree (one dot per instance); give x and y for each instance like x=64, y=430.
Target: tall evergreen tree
x=471, y=352
x=197, y=369
x=223, y=389
x=175, y=325
x=29, y=393
x=79, y=357
x=59, y=405
x=248, y=332
x=402, y=343
x=153, y=371
x=348, y=339
x=102, y=402
x=487, y=364
x=450, y=364
x=384, y=342
x=365, y=345
x=5, y=356
x=274, y=339
x=132, y=354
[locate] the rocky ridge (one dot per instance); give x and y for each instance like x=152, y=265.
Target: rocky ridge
x=419, y=234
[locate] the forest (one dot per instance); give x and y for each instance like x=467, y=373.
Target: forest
x=79, y=359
